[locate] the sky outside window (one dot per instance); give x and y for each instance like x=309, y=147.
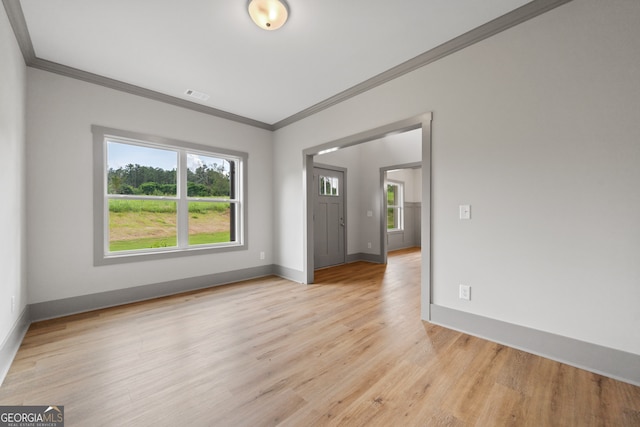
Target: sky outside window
x=121, y=155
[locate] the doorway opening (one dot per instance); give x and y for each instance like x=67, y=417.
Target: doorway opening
x=422, y=122
x=401, y=187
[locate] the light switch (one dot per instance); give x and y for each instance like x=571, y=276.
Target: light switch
x=369, y=213
x=465, y=211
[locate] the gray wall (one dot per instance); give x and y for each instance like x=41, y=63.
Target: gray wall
x=537, y=128
x=12, y=176
x=60, y=112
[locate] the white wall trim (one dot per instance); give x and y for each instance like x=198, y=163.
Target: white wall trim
x=288, y=273
x=11, y=344
x=502, y=23
x=84, y=303
x=616, y=364
x=612, y=363
x=80, y=304
x=361, y=256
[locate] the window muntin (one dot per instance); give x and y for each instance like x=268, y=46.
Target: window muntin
x=167, y=198
x=395, y=205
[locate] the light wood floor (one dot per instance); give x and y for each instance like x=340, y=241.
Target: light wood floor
x=349, y=350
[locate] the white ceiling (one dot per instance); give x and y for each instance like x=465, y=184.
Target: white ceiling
x=212, y=46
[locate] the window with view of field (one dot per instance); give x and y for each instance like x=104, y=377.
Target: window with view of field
x=164, y=198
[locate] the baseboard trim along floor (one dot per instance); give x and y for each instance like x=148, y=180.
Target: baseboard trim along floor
x=616, y=364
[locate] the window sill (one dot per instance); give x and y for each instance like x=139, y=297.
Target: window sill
x=396, y=231
x=117, y=258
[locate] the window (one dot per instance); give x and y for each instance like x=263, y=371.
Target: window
x=329, y=186
x=395, y=208
x=156, y=197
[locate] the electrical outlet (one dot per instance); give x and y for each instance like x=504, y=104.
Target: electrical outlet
x=465, y=292
x=261, y=255
x=13, y=303
x=369, y=245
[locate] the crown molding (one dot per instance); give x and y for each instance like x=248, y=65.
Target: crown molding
x=504, y=22
x=140, y=91
x=19, y=25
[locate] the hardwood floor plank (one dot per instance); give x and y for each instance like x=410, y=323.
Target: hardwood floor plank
x=504, y=408
x=348, y=350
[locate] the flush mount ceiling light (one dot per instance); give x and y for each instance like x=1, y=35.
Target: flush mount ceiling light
x=268, y=14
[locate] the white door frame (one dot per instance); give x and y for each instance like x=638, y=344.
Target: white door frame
x=423, y=122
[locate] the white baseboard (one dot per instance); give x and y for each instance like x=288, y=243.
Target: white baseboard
x=602, y=360
x=289, y=273
x=80, y=304
x=361, y=256
x=616, y=364
x=11, y=344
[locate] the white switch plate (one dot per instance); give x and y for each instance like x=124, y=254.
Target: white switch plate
x=465, y=211
x=465, y=292
x=369, y=213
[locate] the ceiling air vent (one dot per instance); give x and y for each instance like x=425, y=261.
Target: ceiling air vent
x=197, y=95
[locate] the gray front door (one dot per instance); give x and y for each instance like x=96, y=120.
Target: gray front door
x=328, y=217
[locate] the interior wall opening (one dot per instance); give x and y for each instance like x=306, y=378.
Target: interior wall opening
x=370, y=210
x=402, y=193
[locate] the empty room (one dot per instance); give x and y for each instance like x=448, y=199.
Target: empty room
x=269, y=212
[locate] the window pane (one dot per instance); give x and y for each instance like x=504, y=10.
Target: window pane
x=392, y=191
x=141, y=224
x=210, y=222
x=391, y=219
x=133, y=169
x=209, y=176
x=329, y=186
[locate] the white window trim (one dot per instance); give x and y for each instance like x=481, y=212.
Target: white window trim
x=102, y=256
x=399, y=207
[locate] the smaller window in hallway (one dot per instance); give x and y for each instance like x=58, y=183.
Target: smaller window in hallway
x=395, y=208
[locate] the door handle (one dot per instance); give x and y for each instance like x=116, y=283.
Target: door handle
x=342, y=222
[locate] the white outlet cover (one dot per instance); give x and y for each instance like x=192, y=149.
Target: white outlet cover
x=465, y=211
x=465, y=292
